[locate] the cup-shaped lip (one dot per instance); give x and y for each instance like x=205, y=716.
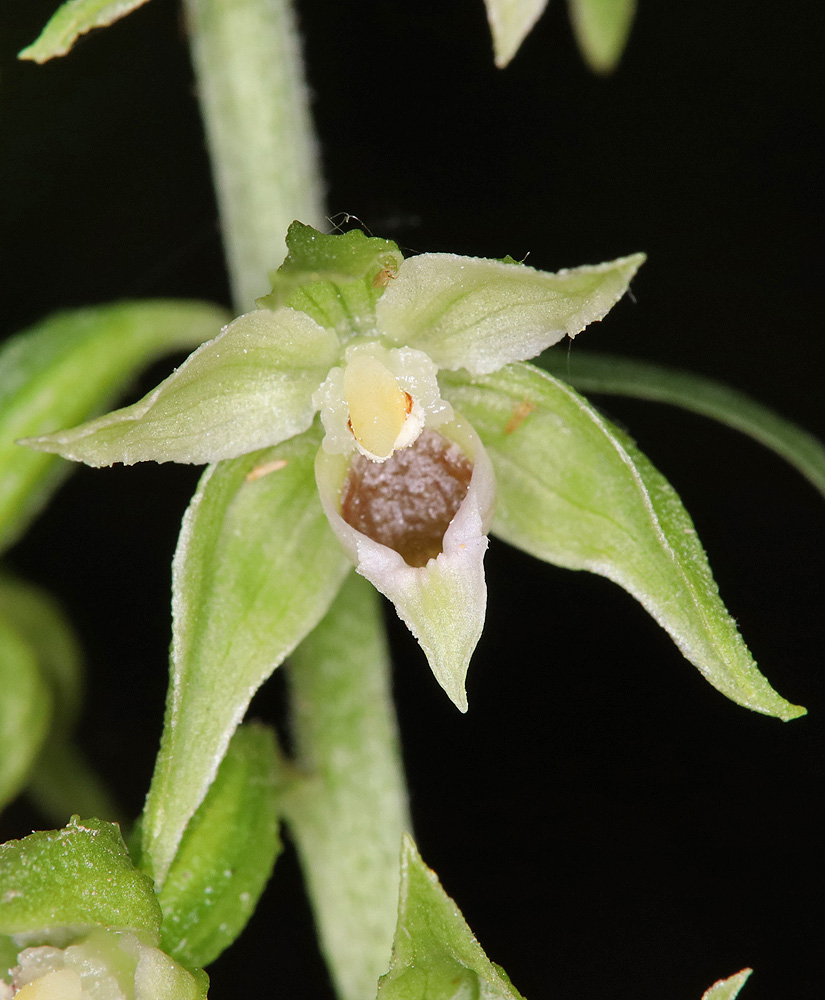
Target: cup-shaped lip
x=443, y=602
x=471, y=520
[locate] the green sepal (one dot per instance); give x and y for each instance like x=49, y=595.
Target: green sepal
x=76, y=877
x=25, y=709
x=248, y=388
x=256, y=567
x=336, y=279
x=511, y=21
x=602, y=28
x=65, y=369
x=435, y=954
x=226, y=855
x=727, y=989
x=73, y=19
x=574, y=490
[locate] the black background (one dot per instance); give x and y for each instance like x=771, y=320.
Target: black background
x=610, y=825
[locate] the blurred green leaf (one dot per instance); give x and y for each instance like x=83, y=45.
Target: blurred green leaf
x=435, y=955
x=256, y=567
x=727, y=989
x=226, y=855
x=346, y=804
x=39, y=619
x=602, y=28
x=73, y=19
x=74, y=877
x=60, y=780
x=511, y=21
x=25, y=709
x=590, y=371
x=68, y=367
x=335, y=278
x=575, y=491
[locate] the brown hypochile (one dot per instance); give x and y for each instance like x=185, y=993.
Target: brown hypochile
x=408, y=501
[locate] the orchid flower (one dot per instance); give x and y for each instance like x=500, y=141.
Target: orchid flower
x=358, y=334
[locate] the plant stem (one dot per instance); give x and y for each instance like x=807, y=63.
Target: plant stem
x=346, y=801
x=255, y=107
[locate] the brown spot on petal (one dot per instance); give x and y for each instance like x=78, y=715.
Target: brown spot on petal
x=408, y=501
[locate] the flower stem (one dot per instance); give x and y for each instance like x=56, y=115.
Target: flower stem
x=255, y=107
x=345, y=798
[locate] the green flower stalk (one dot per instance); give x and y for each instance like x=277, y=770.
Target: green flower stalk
x=357, y=334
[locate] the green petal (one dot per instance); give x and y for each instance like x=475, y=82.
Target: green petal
x=510, y=23
x=336, y=279
x=248, y=388
x=73, y=19
x=468, y=312
x=727, y=989
x=66, y=369
x=74, y=877
x=226, y=855
x=345, y=803
x=574, y=490
x=256, y=568
x=435, y=954
x=25, y=709
x=602, y=28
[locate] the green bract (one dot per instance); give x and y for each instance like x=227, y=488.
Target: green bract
x=435, y=954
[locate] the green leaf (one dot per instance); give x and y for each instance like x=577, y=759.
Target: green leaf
x=511, y=21
x=74, y=877
x=73, y=19
x=478, y=314
x=435, y=955
x=68, y=367
x=602, y=28
x=727, y=989
x=25, y=709
x=226, y=855
x=249, y=388
x=575, y=491
x=613, y=375
x=256, y=568
x=345, y=803
x=336, y=279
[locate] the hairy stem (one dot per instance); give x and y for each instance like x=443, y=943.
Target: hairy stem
x=255, y=107
x=345, y=797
